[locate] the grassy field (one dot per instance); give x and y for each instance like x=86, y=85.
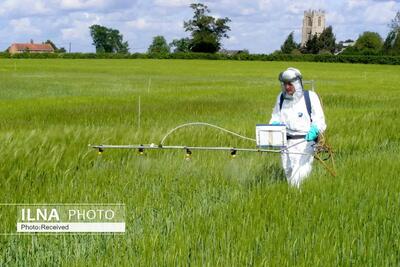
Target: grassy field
x=212, y=210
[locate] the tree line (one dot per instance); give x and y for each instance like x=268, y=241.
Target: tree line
x=207, y=32
x=368, y=43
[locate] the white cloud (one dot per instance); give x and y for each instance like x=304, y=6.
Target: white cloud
x=72, y=33
x=248, y=11
x=335, y=18
x=265, y=5
x=380, y=12
x=232, y=40
x=81, y=4
x=356, y=4
x=29, y=7
x=140, y=23
x=24, y=26
x=156, y=25
x=78, y=28
x=173, y=3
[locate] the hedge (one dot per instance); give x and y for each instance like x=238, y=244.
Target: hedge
x=362, y=59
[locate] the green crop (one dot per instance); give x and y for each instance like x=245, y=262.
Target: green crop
x=211, y=210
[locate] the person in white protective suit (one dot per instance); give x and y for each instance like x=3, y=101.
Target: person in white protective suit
x=302, y=128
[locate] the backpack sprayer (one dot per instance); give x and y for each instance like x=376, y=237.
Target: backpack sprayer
x=269, y=139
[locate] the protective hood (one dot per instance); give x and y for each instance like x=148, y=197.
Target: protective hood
x=293, y=76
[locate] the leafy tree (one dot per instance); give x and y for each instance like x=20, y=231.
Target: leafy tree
x=392, y=42
x=52, y=44
x=396, y=45
x=311, y=46
x=350, y=50
x=61, y=50
x=296, y=51
x=108, y=40
x=369, y=43
x=289, y=45
x=57, y=50
x=180, y=45
x=389, y=41
x=326, y=41
x=159, y=45
x=206, y=31
x=395, y=23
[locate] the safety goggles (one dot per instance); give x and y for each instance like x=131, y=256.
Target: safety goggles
x=287, y=78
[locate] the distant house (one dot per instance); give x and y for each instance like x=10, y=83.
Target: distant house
x=342, y=45
x=30, y=48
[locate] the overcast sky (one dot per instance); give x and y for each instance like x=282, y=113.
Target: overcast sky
x=260, y=26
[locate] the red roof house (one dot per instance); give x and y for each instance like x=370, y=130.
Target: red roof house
x=30, y=48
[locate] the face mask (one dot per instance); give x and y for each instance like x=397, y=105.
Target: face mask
x=287, y=97
x=297, y=86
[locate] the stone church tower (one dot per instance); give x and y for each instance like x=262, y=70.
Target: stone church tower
x=313, y=23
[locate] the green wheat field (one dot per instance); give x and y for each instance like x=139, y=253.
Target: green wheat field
x=212, y=210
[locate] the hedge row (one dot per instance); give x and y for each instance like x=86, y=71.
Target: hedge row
x=363, y=59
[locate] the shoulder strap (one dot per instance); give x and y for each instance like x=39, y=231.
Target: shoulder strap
x=308, y=102
x=306, y=99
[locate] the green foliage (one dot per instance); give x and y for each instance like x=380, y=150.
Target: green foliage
x=52, y=44
x=296, y=56
x=327, y=41
x=389, y=41
x=206, y=31
x=350, y=50
x=324, y=52
x=312, y=45
x=396, y=45
x=204, y=42
x=296, y=51
x=159, y=45
x=391, y=45
x=180, y=45
x=395, y=23
x=369, y=43
x=289, y=45
x=211, y=210
x=340, y=45
x=56, y=49
x=322, y=44
x=108, y=40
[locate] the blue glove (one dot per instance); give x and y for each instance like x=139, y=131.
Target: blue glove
x=312, y=133
x=275, y=123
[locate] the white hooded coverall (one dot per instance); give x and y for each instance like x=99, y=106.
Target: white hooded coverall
x=295, y=116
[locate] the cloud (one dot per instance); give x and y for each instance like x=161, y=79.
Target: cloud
x=356, y=4
x=24, y=26
x=265, y=5
x=380, y=12
x=232, y=40
x=248, y=11
x=81, y=4
x=139, y=23
x=75, y=29
x=15, y=9
x=173, y=3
